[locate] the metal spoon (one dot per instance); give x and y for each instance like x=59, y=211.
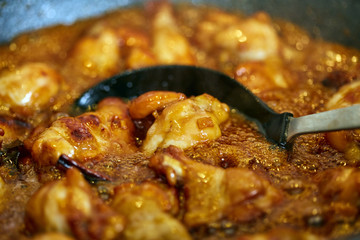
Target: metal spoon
x=280, y=128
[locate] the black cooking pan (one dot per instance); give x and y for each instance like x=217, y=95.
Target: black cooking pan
x=332, y=20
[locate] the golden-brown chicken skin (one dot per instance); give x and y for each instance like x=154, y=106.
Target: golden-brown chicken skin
x=105, y=49
x=98, y=53
x=250, y=39
x=346, y=141
x=12, y=131
x=282, y=234
x=152, y=102
x=186, y=122
x=170, y=46
x=88, y=136
x=52, y=236
x=3, y=189
x=29, y=90
x=148, y=209
x=260, y=76
x=340, y=193
x=214, y=193
x=70, y=207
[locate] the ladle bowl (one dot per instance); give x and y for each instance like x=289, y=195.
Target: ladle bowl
x=279, y=128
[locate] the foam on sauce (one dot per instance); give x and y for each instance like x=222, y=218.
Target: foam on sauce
x=301, y=76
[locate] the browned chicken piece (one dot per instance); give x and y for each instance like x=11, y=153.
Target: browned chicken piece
x=170, y=46
x=52, y=236
x=148, y=210
x=98, y=52
x=140, y=57
x=30, y=89
x=12, y=130
x=340, y=193
x=183, y=122
x=153, y=101
x=347, y=95
x=213, y=193
x=346, y=141
x=104, y=50
x=133, y=38
x=250, y=39
x=69, y=206
x=89, y=136
x=260, y=76
x=282, y=234
x=3, y=189
x=136, y=46
x=324, y=59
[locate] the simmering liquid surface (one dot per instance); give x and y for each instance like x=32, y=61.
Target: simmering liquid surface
x=186, y=166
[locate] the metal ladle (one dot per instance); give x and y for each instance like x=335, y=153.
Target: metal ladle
x=280, y=128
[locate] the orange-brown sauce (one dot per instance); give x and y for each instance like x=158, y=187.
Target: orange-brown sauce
x=240, y=145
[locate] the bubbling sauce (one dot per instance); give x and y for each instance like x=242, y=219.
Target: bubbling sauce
x=233, y=186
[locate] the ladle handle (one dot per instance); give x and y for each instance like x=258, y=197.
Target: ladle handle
x=338, y=119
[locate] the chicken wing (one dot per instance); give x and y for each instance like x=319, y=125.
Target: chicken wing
x=88, y=136
x=213, y=193
x=70, y=207
x=340, y=193
x=260, y=76
x=346, y=141
x=153, y=101
x=136, y=48
x=3, y=189
x=98, y=52
x=52, y=236
x=282, y=234
x=147, y=209
x=29, y=90
x=187, y=122
x=251, y=39
x=170, y=46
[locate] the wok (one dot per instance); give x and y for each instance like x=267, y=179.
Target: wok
x=332, y=20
